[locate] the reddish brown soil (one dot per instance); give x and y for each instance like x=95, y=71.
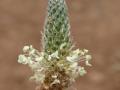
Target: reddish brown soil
x=95, y=25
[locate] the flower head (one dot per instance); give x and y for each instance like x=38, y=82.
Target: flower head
x=57, y=64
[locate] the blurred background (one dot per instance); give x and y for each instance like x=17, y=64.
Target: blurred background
x=95, y=25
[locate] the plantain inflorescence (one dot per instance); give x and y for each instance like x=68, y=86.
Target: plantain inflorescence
x=57, y=65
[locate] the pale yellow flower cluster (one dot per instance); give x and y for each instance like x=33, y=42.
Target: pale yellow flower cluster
x=41, y=62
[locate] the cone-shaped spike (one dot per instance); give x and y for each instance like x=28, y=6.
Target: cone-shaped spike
x=56, y=30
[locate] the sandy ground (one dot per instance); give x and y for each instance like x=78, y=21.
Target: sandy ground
x=95, y=25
